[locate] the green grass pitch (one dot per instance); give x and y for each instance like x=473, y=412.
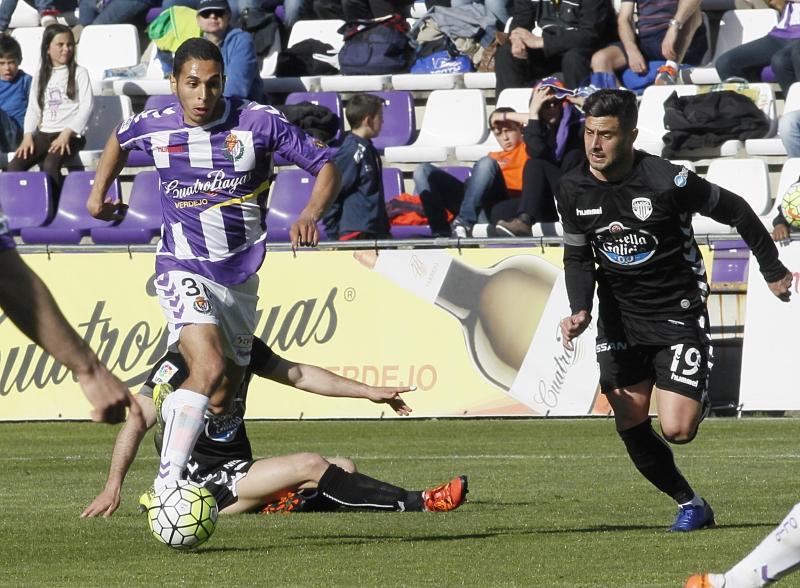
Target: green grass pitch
x=553, y=503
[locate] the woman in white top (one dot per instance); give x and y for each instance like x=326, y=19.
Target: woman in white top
x=59, y=107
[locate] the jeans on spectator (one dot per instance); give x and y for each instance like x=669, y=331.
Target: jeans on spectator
x=746, y=61
x=10, y=133
x=115, y=12
x=50, y=163
x=499, y=8
x=789, y=130
x=786, y=65
x=7, y=8
x=296, y=10
x=470, y=201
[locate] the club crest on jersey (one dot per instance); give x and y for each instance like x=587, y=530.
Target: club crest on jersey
x=642, y=208
x=202, y=305
x=682, y=177
x=234, y=148
x=625, y=246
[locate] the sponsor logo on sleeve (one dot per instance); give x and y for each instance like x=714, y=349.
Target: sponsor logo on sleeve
x=682, y=177
x=165, y=373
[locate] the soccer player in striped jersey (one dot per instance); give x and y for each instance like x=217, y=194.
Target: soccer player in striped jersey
x=222, y=459
x=214, y=159
x=627, y=222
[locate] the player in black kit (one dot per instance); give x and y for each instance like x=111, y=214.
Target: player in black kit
x=627, y=220
x=222, y=459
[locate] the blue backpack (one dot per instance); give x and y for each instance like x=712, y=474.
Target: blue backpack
x=440, y=56
x=375, y=46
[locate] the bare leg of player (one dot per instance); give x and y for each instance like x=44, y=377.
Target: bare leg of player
x=678, y=415
x=776, y=556
x=184, y=409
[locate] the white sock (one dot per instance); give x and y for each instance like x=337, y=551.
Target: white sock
x=777, y=555
x=183, y=413
x=695, y=501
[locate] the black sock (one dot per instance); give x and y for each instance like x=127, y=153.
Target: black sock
x=356, y=490
x=653, y=458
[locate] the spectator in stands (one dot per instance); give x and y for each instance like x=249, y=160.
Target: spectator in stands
x=789, y=131
x=48, y=11
x=242, y=67
x=360, y=9
x=15, y=85
x=91, y=12
x=59, y=107
x=498, y=8
x=670, y=31
x=553, y=136
x=550, y=36
x=775, y=49
x=495, y=178
x=360, y=211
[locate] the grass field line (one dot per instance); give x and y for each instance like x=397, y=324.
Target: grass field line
x=450, y=457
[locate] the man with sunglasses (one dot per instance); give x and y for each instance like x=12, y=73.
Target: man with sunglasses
x=242, y=79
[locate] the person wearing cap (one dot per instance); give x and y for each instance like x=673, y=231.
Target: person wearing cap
x=553, y=136
x=242, y=67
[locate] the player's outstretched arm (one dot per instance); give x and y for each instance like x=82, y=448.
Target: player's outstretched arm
x=734, y=211
x=317, y=380
x=27, y=301
x=125, y=449
x=326, y=188
x=111, y=163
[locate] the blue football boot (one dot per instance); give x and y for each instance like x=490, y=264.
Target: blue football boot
x=692, y=518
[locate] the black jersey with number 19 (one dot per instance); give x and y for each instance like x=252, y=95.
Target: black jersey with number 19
x=635, y=238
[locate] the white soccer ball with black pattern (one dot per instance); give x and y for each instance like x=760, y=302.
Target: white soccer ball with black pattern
x=183, y=515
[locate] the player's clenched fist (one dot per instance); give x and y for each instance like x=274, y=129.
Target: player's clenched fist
x=573, y=326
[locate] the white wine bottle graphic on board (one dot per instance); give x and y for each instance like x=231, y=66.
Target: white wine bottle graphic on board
x=510, y=315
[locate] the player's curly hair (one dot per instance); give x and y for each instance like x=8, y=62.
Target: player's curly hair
x=196, y=48
x=620, y=104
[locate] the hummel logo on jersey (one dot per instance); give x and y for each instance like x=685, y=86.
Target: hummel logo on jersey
x=642, y=208
x=589, y=211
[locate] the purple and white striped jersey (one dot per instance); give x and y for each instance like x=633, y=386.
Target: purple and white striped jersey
x=215, y=181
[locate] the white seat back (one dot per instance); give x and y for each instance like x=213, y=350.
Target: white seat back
x=30, y=41
x=105, y=47
x=454, y=117
x=749, y=178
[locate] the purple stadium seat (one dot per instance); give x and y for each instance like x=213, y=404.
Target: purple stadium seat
x=143, y=219
x=26, y=199
x=399, y=122
x=140, y=158
x=290, y=195
x=393, y=185
x=72, y=221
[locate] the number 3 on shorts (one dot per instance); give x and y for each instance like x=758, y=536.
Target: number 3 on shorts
x=691, y=359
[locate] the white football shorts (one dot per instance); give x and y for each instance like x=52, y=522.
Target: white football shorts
x=190, y=299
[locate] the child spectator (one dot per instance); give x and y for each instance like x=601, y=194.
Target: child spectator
x=496, y=177
x=15, y=86
x=360, y=211
x=59, y=107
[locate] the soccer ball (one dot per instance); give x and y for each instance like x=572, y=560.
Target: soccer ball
x=790, y=205
x=183, y=515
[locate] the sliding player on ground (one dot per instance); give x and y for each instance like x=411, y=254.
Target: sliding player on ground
x=223, y=462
